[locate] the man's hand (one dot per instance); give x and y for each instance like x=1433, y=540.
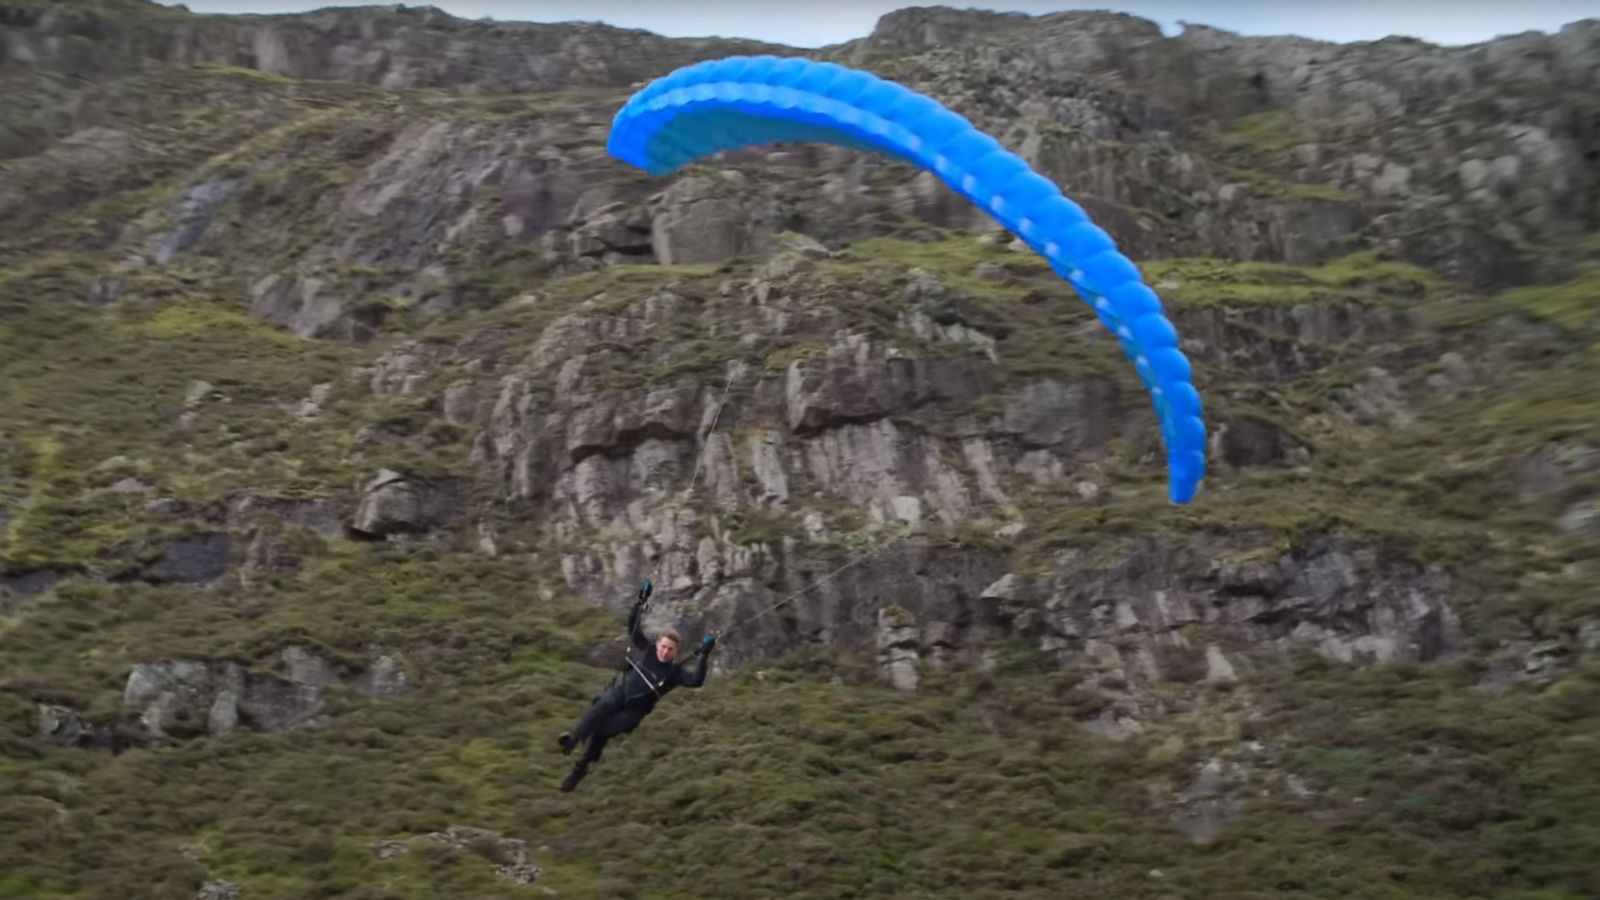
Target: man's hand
x=644, y=595
x=707, y=643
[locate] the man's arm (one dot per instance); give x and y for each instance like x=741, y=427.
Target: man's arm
x=636, y=619
x=636, y=627
x=696, y=677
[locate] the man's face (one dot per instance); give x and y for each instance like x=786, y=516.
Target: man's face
x=666, y=648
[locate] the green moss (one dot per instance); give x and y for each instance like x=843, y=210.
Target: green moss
x=1327, y=193
x=760, y=526
x=1434, y=761
x=241, y=72
x=887, y=65
x=1252, y=148
x=1365, y=278
x=1271, y=132
x=1574, y=304
x=954, y=259
x=191, y=319
x=1028, y=311
x=87, y=385
x=1266, y=184
x=785, y=355
x=989, y=406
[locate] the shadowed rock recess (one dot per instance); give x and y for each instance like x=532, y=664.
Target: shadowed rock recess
x=351, y=389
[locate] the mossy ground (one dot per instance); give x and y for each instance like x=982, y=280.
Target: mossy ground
x=787, y=782
x=798, y=777
x=779, y=780
x=1252, y=149
x=86, y=387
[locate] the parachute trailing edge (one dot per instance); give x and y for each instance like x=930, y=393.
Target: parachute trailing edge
x=743, y=101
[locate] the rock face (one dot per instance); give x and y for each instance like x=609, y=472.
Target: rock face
x=395, y=506
x=1210, y=800
x=827, y=423
x=890, y=439
x=1170, y=612
x=1345, y=602
x=26, y=584
x=66, y=727
x=1405, y=131
x=389, y=46
x=275, y=529
x=187, y=697
x=1205, y=144
x=199, y=559
x=765, y=411
x=897, y=647
x=217, y=889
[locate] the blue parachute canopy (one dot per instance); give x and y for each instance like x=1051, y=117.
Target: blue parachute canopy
x=744, y=101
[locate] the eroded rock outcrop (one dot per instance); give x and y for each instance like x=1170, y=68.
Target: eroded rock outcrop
x=1161, y=611
x=897, y=647
x=64, y=726
x=395, y=506
x=1456, y=157
x=509, y=856
x=188, y=697
x=217, y=889
x=1422, y=145
x=391, y=46
x=27, y=584
x=198, y=559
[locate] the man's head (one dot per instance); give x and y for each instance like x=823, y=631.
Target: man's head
x=667, y=644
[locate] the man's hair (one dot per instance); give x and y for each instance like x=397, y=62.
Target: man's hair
x=670, y=632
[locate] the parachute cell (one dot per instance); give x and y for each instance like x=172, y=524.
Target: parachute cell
x=743, y=101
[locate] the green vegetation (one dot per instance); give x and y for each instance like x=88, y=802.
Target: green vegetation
x=786, y=355
x=86, y=386
x=152, y=134
x=760, y=526
x=1428, y=788
x=1266, y=184
x=241, y=72
x=789, y=785
x=806, y=787
x=954, y=258
x=1028, y=309
x=1573, y=305
x=1252, y=149
x=804, y=776
x=1271, y=132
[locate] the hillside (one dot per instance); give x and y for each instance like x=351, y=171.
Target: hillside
x=350, y=389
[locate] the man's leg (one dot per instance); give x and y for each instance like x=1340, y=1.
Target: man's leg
x=591, y=755
x=598, y=711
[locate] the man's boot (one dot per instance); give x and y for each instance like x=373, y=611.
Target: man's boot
x=565, y=742
x=580, y=769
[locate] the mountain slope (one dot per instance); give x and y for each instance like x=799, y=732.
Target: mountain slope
x=343, y=416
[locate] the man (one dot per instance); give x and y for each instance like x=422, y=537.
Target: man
x=630, y=697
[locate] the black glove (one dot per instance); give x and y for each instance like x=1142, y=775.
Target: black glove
x=644, y=594
x=707, y=644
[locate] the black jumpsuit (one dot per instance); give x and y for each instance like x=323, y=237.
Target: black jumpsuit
x=627, y=700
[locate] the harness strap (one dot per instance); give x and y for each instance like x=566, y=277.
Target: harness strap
x=642, y=674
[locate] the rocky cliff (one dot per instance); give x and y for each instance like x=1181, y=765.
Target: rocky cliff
x=352, y=388
x=395, y=46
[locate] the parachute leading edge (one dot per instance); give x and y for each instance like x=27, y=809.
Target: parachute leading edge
x=745, y=101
